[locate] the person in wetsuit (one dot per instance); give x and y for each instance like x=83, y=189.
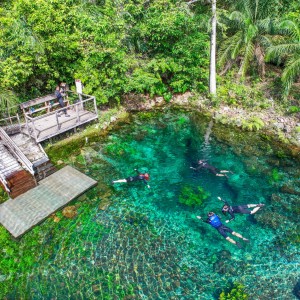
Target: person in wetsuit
x=215, y=222
x=141, y=176
x=242, y=209
x=202, y=164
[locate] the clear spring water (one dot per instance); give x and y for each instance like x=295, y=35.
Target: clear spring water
x=146, y=245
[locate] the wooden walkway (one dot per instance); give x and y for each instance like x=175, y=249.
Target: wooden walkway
x=49, y=125
x=27, y=210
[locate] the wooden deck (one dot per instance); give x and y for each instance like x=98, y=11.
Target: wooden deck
x=27, y=210
x=49, y=125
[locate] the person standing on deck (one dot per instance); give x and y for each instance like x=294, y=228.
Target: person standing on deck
x=60, y=100
x=214, y=221
x=141, y=176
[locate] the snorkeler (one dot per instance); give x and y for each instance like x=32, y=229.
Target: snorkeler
x=141, y=176
x=242, y=209
x=203, y=164
x=215, y=222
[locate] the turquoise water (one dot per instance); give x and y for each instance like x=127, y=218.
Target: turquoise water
x=145, y=244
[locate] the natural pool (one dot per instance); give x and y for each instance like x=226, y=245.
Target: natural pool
x=131, y=242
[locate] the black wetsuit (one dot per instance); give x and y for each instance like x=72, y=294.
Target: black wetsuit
x=242, y=209
x=207, y=166
x=137, y=177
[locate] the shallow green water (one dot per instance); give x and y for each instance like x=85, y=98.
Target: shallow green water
x=146, y=245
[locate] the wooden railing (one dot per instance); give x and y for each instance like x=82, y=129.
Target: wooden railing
x=11, y=125
x=9, y=143
x=80, y=107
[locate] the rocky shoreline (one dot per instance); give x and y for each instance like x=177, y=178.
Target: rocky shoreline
x=284, y=128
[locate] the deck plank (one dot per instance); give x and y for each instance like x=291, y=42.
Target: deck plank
x=47, y=126
x=29, y=209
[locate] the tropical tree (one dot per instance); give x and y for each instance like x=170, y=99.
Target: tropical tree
x=289, y=52
x=212, y=64
x=249, y=29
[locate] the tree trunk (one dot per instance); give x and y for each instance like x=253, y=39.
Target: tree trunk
x=212, y=65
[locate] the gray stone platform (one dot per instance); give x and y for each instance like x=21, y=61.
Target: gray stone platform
x=27, y=210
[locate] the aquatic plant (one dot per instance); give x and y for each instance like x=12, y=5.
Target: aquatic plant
x=119, y=149
x=181, y=120
x=237, y=292
x=193, y=198
x=275, y=176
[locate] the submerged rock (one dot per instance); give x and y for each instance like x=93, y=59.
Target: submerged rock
x=287, y=189
x=104, y=205
x=270, y=218
x=70, y=211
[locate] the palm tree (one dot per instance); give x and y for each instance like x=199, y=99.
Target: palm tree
x=289, y=51
x=212, y=64
x=249, y=27
x=213, y=46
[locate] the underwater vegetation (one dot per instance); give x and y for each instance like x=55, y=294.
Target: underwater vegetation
x=193, y=196
x=130, y=242
x=237, y=292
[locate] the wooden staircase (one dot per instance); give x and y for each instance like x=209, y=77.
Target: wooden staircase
x=15, y=179
x=22, y=163
x=35, y=153
x=20, y=182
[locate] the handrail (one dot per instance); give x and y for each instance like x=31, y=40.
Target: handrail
x=16, y=150
x=4, y=182
x=58, y=110
x=11, y=122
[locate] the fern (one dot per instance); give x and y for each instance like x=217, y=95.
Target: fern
x=253, y=124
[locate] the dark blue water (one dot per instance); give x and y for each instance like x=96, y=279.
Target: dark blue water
x=147, y=245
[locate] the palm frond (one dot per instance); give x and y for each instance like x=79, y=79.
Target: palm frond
x=282, y=50
x=290, y=28
x=290, y=73
x=251, y=33
x=237, y=18
x=248, y=55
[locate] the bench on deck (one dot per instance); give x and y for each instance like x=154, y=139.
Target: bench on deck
x=47, y=103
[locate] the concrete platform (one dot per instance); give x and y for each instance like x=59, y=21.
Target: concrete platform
x=27, y=210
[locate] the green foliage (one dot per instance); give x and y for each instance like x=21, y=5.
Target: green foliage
x=236, y=293
x=253, y=124
x=8, y=104
x=248, y=27
x=293, y=109
x=287, y=50
x=158, y=48
x=238, y=94
x=191, y=197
